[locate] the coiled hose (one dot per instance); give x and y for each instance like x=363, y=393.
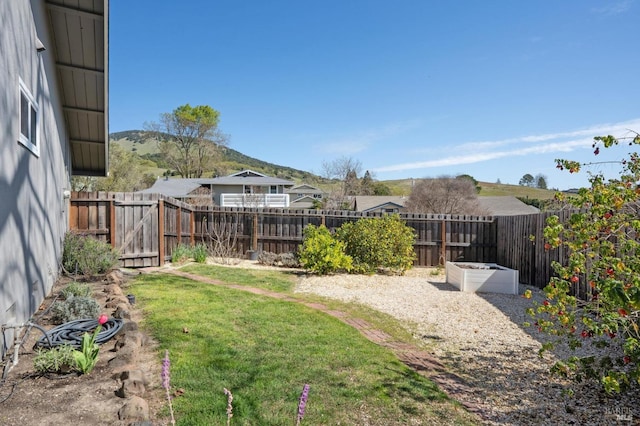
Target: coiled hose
x=70, y=333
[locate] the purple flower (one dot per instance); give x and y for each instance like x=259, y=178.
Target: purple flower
x=165, y=371
x=229, y=405
x=302, y=403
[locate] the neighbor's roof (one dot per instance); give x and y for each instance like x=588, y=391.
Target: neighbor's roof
x=80, y=32
x=247, y=177
x=365, y=203
x=179, y=188
x=305, y=188
x=506, y=206
x=176, y=188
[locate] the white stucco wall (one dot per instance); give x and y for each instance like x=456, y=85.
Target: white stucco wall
x=33, y=212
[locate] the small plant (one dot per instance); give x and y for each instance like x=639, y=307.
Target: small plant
x=87, y=357
x=302, y=404
x=180, y=254
x=75, y=308
x=166, y=382
x=86, y=255
x=322, y=253
x=76, y=289
x=200, y=253
x=268, y=258
x=229, y=405
x=54, y=360
x=288, y=260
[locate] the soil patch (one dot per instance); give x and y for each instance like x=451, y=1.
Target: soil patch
x=28, y=398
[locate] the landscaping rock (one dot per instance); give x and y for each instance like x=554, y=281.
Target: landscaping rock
x=122, y=311
x=135, y=409
x=134, y=375
x=131, y=387
x=113, y=302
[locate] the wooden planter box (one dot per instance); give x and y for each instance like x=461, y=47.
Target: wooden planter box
x=482, y=277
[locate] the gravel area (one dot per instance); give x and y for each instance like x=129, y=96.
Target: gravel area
x=480, y=337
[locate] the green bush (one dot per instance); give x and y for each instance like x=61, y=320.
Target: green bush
x=75, y=289
x=181, y=253
x=200, y=253
x=379, y=244
x=86, y=255
x=75, y=308
x=55, y=360
x=321, y=252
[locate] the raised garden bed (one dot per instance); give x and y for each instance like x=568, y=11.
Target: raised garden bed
x=482, y=277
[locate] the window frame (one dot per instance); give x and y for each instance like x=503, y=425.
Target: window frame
x=30, y=141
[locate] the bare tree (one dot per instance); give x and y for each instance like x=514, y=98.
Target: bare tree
x=222, y=238
x=345, y=170
x=444, y=195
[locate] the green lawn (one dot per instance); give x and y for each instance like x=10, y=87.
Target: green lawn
x=264, y=350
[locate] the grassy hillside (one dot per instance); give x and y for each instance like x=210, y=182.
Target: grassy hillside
x=233, y=161
x=403, y=187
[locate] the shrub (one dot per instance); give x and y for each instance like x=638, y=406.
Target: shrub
x=86, y=255
x=75, y=289
x=199, y=253
x=75, y=308
x=288, y=260
x=180, y=254
x=379, y=243
x=321, y=252
x=268, y=258
x=55, y=360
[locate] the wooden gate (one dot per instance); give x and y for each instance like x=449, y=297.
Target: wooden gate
x=136, y=230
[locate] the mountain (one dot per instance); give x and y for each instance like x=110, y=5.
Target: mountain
x=232, y=161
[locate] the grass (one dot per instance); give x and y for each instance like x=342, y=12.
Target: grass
x=264, y=350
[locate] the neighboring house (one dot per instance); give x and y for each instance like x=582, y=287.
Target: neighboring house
x=379, y=203
x=304, y=196
x=54, y=124
x=243, y=189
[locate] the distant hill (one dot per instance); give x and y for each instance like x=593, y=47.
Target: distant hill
x=233, y=161
x=403, y=187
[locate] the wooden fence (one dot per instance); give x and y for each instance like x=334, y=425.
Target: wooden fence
x=146, y=228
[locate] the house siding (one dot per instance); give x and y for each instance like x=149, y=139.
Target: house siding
x=33, y=211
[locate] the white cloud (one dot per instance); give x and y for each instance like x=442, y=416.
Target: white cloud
x=518, y=147
x=613, y=8
x=352, y=144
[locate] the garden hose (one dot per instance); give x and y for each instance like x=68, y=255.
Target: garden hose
x=70, y=333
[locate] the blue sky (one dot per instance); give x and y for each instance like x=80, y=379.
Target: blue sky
x=410, y=88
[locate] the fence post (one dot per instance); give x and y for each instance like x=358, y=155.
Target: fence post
x=254, y=233
x=112, y=223
x=161, y=232
x=443, y=236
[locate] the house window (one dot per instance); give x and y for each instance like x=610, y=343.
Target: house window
x=29, y=119
x=273, y=189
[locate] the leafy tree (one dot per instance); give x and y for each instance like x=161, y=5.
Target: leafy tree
x=526, y=180
x=380, y=188
x=367, y=184
x=602, y=243
x=540, y=181
x=472, y=179
x=189, y=139
x=125, y=174
x=444, y=195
